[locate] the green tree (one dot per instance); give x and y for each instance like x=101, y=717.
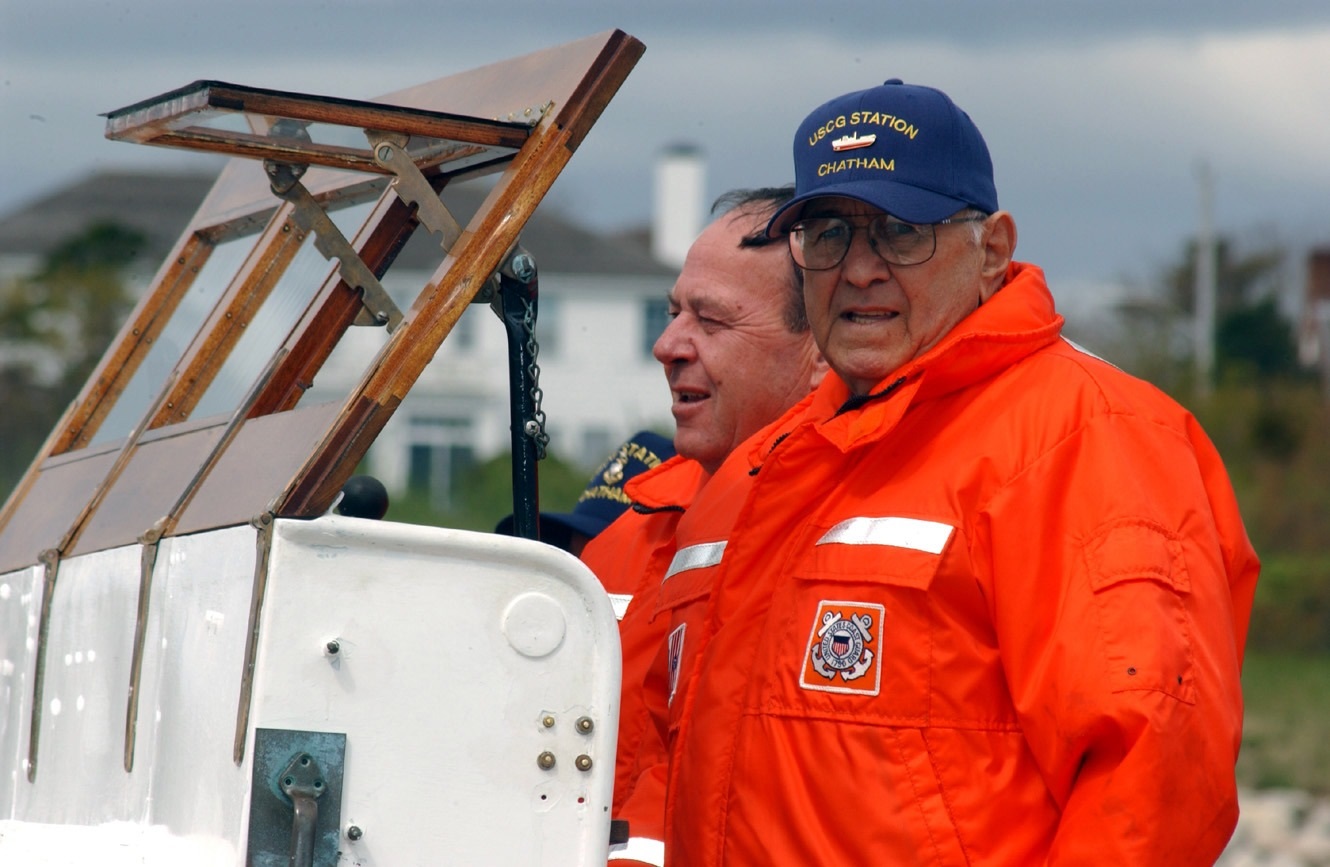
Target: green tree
x=485, y=495
x=1241, y=278
x=1253, y=341
x=1256, y=341
x=54, y=327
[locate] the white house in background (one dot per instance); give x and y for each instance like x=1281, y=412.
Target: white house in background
x=598, y=378
x=602, y=303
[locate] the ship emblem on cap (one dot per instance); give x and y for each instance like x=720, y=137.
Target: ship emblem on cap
x=853, y=141
x=613, y=473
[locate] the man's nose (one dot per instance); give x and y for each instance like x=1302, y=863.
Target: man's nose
x=674, y=344
x=862, y=264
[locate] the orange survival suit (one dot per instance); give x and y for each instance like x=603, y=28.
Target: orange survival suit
x=628, y=557
x=993, y=614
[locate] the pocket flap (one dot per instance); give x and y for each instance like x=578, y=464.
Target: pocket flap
x=1136, y=551
x=690, y=574
x=904, y=552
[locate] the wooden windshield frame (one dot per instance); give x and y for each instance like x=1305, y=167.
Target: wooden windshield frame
x=276, y=454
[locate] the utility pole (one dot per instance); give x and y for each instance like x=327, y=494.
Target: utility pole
x=1203, y=323
x=1314, y=348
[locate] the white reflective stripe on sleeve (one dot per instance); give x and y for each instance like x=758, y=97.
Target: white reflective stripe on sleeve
x=619, y=602
x=912, y=533
x=695, y=557
x=642, y=849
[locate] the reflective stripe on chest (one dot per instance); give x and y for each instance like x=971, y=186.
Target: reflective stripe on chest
x=912, y=533
x=695, y=557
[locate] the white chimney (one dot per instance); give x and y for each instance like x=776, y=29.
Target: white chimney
x=680, y=206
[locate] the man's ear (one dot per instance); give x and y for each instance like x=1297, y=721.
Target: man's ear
x=999, y=248
x=820, y=368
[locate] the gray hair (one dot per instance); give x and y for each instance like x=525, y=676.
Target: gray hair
x=764, y=202
x=976, y=228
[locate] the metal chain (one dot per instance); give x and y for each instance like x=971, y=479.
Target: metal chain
x=535, y=426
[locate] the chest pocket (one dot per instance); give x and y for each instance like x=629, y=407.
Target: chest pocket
x=684, y=594
x=852, y=631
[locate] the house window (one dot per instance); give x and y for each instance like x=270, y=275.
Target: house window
x=440, y=452
x=655, y=316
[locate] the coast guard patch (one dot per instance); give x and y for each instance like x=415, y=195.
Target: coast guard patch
x=675, y=651
x=842, y=652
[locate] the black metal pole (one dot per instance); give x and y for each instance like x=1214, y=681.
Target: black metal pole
x=518, y=293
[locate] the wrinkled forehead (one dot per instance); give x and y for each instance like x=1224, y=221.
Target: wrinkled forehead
x=731, y=278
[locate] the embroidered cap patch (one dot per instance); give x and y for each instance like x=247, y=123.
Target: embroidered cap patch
x=842, y=653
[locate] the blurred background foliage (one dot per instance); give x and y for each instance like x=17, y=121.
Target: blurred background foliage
x=54, y=326
x=1267, y=414
x=485, y=495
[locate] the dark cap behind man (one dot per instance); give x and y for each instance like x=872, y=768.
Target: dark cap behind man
x=604, y=499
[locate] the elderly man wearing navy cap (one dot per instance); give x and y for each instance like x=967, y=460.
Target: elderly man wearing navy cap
x=980, y=600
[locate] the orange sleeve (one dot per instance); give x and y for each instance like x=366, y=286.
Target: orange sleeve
x=634, y=552
x=642, y=769
x=1120, y=614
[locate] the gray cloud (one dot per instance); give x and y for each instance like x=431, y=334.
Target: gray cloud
x=1097, y=113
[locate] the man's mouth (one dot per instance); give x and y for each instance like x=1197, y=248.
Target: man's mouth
x=691, y=396
x=868, y=318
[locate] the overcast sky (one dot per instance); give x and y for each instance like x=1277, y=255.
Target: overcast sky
x=1097, y=113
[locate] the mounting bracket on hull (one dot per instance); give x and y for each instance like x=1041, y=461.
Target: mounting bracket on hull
x=295, y=811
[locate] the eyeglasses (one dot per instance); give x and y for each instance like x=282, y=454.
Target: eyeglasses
x=820, y=243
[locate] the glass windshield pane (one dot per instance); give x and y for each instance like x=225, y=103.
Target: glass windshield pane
x=410, y=271
x=281, y=311
x=299, y=136
x=200, y=299
x=306, y=129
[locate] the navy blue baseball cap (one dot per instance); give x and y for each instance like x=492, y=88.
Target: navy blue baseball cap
x=902, y=148
x=604, y=499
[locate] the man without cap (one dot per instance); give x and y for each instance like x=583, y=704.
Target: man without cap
x=737, y=354
x=982, y=599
